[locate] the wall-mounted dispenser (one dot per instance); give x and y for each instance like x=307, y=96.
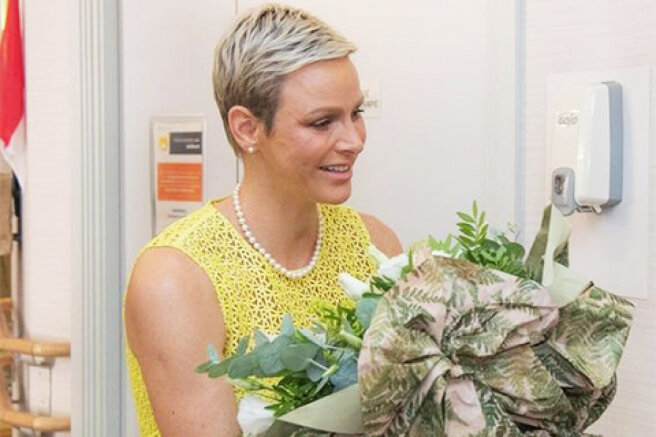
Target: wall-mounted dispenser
x=610, y=247
x=587, y=149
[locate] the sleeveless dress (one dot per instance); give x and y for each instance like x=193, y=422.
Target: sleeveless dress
x=251, y=292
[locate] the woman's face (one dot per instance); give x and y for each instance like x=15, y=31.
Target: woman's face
x=317, y=133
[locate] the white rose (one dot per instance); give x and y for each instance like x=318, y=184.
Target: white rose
x=378, y=256
x=253, y=416
x=392, y=267
x=353, y=287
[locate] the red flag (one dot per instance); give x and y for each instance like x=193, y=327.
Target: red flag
x=12, y=93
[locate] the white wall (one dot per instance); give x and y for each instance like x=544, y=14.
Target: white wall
x=50, y=41
x=431, y=115
x=446, y=135
x=430, y=152
x=564, y=36
x=166, y=64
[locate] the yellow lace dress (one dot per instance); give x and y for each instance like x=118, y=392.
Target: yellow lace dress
x=252, y=293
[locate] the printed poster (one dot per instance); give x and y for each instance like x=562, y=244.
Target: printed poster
x=177, y=167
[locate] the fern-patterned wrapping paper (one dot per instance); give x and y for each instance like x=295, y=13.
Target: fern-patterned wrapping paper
x=459, y=350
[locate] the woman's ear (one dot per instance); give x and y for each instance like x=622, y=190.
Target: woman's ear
x=244, y=127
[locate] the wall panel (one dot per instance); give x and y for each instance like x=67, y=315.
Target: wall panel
x=564, y=36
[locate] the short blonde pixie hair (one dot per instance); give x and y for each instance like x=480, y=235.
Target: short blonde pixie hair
x=263, y=46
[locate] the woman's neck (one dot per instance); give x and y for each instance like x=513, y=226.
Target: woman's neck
x=285, y=224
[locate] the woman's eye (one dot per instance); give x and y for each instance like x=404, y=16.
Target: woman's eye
x=321, y=124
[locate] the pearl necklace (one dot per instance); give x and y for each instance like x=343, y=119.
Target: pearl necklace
x=292, y=274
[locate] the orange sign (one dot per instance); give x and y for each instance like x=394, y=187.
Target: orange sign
x=180, y=181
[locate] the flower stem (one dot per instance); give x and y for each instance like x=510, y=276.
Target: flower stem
x=351, y=339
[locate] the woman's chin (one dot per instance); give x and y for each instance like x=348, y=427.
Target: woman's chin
x=336, y=196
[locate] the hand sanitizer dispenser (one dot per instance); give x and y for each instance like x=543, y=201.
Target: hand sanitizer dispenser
x=587, y=149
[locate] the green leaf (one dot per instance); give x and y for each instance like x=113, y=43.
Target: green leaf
x=383, y=284
x=297, y=357
x=350, y=339
x=316, y=370
x=467, y=229
x=205, y=367
x=481, y=219
x=466, y=217
x=465, y=241
x=268, y=355
x=366, y=308
x=212, y=353
x=243, y=366
x=516, y=250
x=475, y=208
x=287, y=328
x=217, y=371
x=322, y=383
x=313, y=337
x=347, y=373
x=220, y=369
x=243, y=345
x=260, y=338
x=487, y=256
x=490, y=245
x=408, y=267
x=346, y=376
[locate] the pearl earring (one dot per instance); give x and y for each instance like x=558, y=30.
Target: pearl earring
x=251, y=149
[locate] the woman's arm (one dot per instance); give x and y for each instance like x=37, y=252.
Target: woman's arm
x=382, y=236
x=171, y=314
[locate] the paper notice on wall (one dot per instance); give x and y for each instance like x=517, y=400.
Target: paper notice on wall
x=177, y=167
x=372, y=103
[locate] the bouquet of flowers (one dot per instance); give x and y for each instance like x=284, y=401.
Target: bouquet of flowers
x=461, y=337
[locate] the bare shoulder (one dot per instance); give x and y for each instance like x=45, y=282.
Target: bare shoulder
x=168, y=288
x=382, y=236
x=171, y=314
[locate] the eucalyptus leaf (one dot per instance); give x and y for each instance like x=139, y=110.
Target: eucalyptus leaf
x=243, y=366
x=221, y=368
x=287, y=328
x=212, y=353
x=205, y=367
x=318, y=339
x=322, y=384
x=268, y=356
x=260, y=338
x=243, y=345
x=314, y=371
x=346, y=376
x=297, y=357
x=366, y=308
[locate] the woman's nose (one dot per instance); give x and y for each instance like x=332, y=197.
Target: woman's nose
x=353, y=137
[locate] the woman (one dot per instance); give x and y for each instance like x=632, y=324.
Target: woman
x=291, y=103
